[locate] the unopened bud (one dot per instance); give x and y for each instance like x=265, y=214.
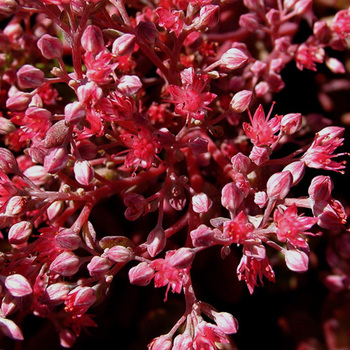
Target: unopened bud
x=50, y=47
x=84, y=172
x=201, y=203
x=240, y=101
x=30, y=77
x=8, y=162
x=20, y=232
x=18, y=285
x=147, y=33
x=231, y=196
x=37, y=174
x=226, y=322
x=233, y=59
x=56, y=135
x=74, y=112
x=291, y=123
x=198, y=145
x=8, y=7
x=119, y=253
x=182, y=258
x=296, y=260
x=141, y=274
x=129, y=85
x=67, y=239
x=55, y=160
x=65, y=264
x=19, y=101
x=209, y=15
x=124, y=45
x=240, y=163
x=279, y=184
x=156, y=241
x=16, y=205
x=6, y=126
x=98, y=266
x=92, y=39
x=297, y=169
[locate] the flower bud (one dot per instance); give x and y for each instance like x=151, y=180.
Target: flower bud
x=20, y=232
x=8, y=162
x=84, y=172
x=37, y=174
x=67, y=239
x=291, y=123
x=156, y=241
x=297, y=169
x=231, y=196
x=240, y=101
x=118, y=253
x=65, y=264
x=54, y=210
x=55, y=294
x=17, y=205
x=233, y=59
x=260, y=155
x=98, y=266
x=147, y=33
x=182, y=258
x=56, y=135
x=129, y=85
x=302, y=6
x=74, y=112
x=198, y=145
x=335, y=65
x=67, y=338
x=55, y=160
x=208, y=15
x=261, y=199
x=50, y=47
x=10, y=329
x=141, y=274
x=201, y=203
x=30, y=77
x=19, y=101
x=296, y=260
x=250, y=21
x=203, y=236
x=18, y=285
x=240, y=163
x=279, y=184
x=6, y=126
x=160, y=343
x=124, y=45
x=92, y=39
x=8, y=7
x=226, y=322
x=320, y=188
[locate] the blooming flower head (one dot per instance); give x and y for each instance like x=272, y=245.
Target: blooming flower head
x=320, y=153
x=290, y=226
x=262, y=130
x=190, y=99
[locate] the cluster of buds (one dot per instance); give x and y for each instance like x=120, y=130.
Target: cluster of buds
x=159, y=106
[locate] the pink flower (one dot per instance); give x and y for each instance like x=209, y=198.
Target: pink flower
x=79, y=300
x=168, y=275
x=250, y=269
x=171, y=20
x=290, y=226
x=190, y=99
x=319, y=155
x=143, y=148
x=261, y=129
x=308, y=55
x=207, y=335
x=238, y=229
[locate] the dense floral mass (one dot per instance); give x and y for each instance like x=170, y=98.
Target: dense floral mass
x=168, y=106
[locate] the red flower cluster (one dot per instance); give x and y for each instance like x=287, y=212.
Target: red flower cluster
x=159, y=104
